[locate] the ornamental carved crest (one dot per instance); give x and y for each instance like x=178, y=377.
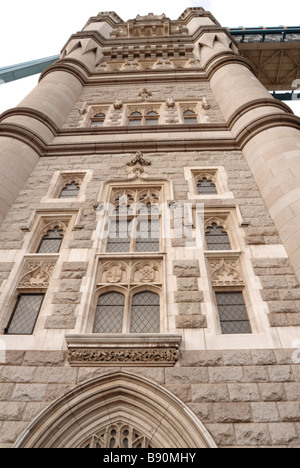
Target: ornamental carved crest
x=225, y=272
x=36, y=275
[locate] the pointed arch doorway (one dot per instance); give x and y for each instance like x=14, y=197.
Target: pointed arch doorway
x=119, y=409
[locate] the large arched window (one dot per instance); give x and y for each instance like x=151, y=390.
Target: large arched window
x=117, y=313
x=135, y=222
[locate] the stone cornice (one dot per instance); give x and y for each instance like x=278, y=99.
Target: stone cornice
x=222, y=59
x=33, y=113
x=265, y=123
x=69, y=66
x=257, y=103
x=191, y=142
x=25, y=135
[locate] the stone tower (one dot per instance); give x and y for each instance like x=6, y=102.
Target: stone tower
x=150, y=246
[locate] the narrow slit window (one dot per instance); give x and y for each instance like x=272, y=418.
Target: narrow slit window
x=135, y=119
x=145, y=313
x=152, y=118
x=217, y=238
x=233, y=313
x=51, y=242
x=190, y=117
x=98, y=120
x=70, y=190
x=206, y=187
x=25, y=314
x=109, y=313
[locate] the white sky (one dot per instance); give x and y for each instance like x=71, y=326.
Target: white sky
x=32, y=29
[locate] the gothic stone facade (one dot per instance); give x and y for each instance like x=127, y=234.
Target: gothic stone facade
x=186, y=337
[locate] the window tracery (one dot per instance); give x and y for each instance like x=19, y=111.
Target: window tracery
x=118, y=436
x=135, y=221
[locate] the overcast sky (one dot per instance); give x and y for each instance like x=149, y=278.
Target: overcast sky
x=32, y=29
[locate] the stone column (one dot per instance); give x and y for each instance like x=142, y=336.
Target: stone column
x=265, y=129
x=26, y=130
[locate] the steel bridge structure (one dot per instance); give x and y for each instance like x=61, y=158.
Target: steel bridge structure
x=273, y=52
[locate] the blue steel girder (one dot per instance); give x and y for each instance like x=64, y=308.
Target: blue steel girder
x=23, y=70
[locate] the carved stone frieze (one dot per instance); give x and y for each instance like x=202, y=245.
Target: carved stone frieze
x=120, y=356
x=140, y=271
x=225, y=272
x=36, y=275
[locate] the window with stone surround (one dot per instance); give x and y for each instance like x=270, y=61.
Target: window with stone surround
x=143, y=116
x=128, y=312
x=135, y=221
x=25, y=314
x=232, y=313
x=205, y=186
x=189, y=117
x=51, y=241
x=216, y=236
x=67, y=186
x=70, y=190
x=207, y=183
x=98, y=119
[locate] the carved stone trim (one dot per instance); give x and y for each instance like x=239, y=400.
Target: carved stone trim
x=36, y=274
x=126, y=350
x=225, y=272
x=139, y=160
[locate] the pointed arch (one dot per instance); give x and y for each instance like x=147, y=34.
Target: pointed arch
x=117, y=398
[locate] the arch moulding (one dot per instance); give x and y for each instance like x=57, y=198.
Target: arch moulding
x=114, y=399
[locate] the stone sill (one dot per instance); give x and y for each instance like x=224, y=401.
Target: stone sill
x=123, y=349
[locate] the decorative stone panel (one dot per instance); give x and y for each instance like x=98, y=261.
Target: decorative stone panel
x=126, y=350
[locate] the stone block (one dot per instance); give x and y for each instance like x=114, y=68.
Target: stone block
x=191, y=321
x=265, y=412
x=67, y=298
x=18, y=374
x=190, y=296
x=209, y=393
x=289, y=411
x=223, y=434
x=237, y=358
x=60, y=322
x=11, y=411
x=244, y=392
x=232, y=412
x=252, y=434
x=189, y=308
x=186, y=268
x=226, y=374
x=272, y=391
x=201, y=358
x=203, y=411
x=280, y=374
x=29, y=392
x=44, y=358
x=187, y=284
x=71, y=285
x=283, y=433
x=186, y=375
